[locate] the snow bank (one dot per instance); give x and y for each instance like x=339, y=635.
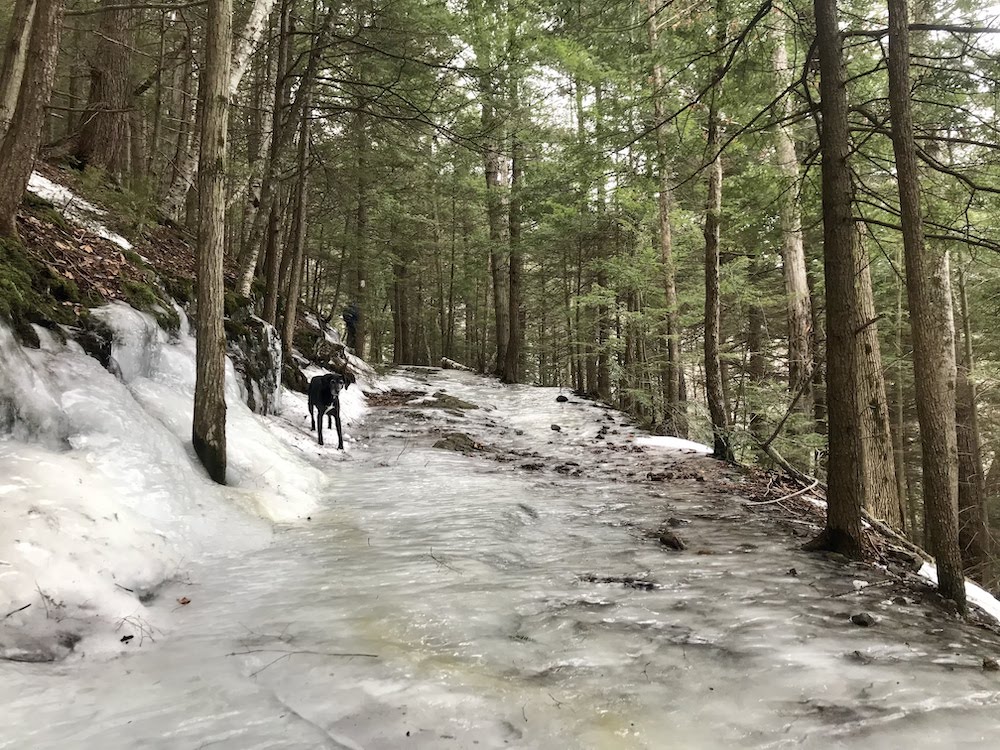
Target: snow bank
x=101, y=495
x=671, y=443
x=973, y=592
x=74, y=208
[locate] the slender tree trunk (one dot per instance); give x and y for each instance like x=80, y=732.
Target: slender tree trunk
x=21, y=140
x=845, y=474
x=927, y=286
x=512, y=361
x=494, y=213
x=973, y=534
x=672, y=399
x=714, y=391
x=908, y=508
x=272, y=259
x=882, y=495
x=187, y=166
x=15, y=60
x=793, y=260
x=209, y=425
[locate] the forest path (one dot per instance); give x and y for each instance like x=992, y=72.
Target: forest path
x=507, y=599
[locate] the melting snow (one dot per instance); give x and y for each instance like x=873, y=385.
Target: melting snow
x=74, y=208
x=671, y=443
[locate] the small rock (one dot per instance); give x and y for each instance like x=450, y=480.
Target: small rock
x=518, y=432
x=127, y=638
x=792, y=572
x=900, y=600
x=675, y=522
x=860, y=658
x=990, y=665
x=561, y=399
x=556, y=428
x=863, y=619
x=670, y=540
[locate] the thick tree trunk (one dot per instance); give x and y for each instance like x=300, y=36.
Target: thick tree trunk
x=845, y=474
x=674, y=423
x=929, y=294
x=103, y=141
x=209, y=424
x=20, y=143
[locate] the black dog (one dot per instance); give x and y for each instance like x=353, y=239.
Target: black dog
x=324, y=396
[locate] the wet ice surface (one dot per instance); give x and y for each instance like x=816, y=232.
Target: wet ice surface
x=471, y=584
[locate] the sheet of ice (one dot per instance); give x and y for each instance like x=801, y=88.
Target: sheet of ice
x=440, y=601
x=671, y=443
x=74, y=208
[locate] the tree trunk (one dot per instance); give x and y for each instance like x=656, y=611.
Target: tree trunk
x=846, y=481
x=103, y=138
x=713, y=371
x=512, y=361
x=188, y=164
x=272, y=259
x=494, y=214
x=929, y=295
x=882, y=496
x=21, y=140
x=973, y=535
x=209, y=424
x=672, y=399
x=793, y=260
x=15, y=60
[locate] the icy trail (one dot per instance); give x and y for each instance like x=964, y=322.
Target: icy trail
x=469, y=591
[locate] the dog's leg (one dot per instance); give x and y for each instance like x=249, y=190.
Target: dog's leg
x=319, y=423
x=340, y=432
x=312, y=419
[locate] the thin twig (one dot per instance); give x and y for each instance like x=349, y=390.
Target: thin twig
x=789, y=497
x=15, y=611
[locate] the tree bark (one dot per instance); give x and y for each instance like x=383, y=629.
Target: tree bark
x=973, y=535
x=21, y=140
x=793, y=260
x=15, y=59
x=882, y=492
x=209, y=424
x=189, y=163
x=929, y=295
x=673, y=420
x=512, y=360
x=842, y=251
x=714, y=390
x=103, y=140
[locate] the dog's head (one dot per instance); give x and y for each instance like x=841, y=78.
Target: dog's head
x=335, y=382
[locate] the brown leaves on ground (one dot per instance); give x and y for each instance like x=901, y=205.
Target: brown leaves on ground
x=100, y=268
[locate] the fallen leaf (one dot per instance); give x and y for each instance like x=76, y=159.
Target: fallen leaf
x=183, y=600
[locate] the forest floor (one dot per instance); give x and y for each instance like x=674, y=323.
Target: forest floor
x=525, y=586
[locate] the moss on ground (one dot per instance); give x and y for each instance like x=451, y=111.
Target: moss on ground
x=31, y=292
x=153, y=300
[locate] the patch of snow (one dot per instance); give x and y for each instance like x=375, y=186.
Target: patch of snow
x=74, y=208
x=672, y=443
x=976, y=595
